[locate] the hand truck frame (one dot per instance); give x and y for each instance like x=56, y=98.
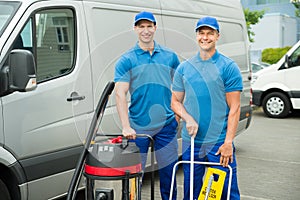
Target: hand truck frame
x=192, y=162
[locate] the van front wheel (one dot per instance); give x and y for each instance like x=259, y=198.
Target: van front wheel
x=276, y=105
x=4, y=191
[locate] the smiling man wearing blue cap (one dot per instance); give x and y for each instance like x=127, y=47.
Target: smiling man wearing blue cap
x=210, y=85
x=146, y=72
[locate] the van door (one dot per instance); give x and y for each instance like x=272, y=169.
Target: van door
x=291, y=78
x=45, y=128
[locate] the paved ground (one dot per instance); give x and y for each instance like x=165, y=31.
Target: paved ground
x=269, y=158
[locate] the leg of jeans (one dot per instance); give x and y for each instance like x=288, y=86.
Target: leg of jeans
x=234, y=190
x=143, y=144
x=165, y=175
x=166, y=152
x=199, y=170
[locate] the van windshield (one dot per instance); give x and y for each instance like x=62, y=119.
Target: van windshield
x=7, y=11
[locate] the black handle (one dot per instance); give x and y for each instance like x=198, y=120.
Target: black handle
x=74, y=98
x=92, y=132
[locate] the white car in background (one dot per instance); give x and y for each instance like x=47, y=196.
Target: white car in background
x=255, y=67
x=258, y=66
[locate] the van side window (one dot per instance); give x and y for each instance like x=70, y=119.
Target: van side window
x=55, y=43
x=295, y=58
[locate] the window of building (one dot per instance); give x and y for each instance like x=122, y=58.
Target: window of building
x=259, y=2
x=284, y=1
x=272, y=1
x=62, y=33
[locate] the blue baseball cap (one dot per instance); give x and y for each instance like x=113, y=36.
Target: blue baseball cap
x=208, y=21
x=146, y=16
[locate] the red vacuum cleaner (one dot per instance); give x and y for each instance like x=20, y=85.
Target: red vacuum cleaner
x=114, y=159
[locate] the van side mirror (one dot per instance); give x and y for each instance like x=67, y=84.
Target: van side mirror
x=22, y=70
x=286, y=62
x=19, y=74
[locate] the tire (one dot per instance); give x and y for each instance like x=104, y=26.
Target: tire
x=276, y=105
x=4, y=191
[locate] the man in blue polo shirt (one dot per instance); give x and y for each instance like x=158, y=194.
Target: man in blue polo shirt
x=146, y=71
x=206, y=95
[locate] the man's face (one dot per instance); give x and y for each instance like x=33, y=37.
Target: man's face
x=207, y=38
x=145, y=30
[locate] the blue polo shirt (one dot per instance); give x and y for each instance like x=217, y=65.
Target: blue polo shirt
x=205, y=83
x=150, y=78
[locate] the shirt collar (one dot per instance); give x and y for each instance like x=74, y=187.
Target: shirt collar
x=212, y=59
x=140, y=51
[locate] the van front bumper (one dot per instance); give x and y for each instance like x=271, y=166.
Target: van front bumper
x=256, y=97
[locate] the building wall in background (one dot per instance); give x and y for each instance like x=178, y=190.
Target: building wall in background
x=278, y=28
x=275, y=30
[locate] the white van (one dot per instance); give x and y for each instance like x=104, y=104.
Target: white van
x=277, y=87
x=56, y=58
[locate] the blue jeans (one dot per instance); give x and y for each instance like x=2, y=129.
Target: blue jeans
x=166, y=154
x=206, y=153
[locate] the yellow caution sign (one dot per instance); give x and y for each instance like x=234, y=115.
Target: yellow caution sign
x=212, y=187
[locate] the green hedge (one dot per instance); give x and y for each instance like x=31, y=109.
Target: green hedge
x=273, y=55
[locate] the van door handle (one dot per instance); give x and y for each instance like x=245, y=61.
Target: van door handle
x=74, y=96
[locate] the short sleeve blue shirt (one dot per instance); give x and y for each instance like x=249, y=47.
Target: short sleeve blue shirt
x=150, y=78
x=205, y=83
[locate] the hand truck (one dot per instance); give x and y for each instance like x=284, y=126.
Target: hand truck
x=192, y=162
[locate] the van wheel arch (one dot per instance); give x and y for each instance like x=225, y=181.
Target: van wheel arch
x=276, y=104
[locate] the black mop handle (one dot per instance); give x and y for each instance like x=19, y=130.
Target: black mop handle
x=92, y=132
